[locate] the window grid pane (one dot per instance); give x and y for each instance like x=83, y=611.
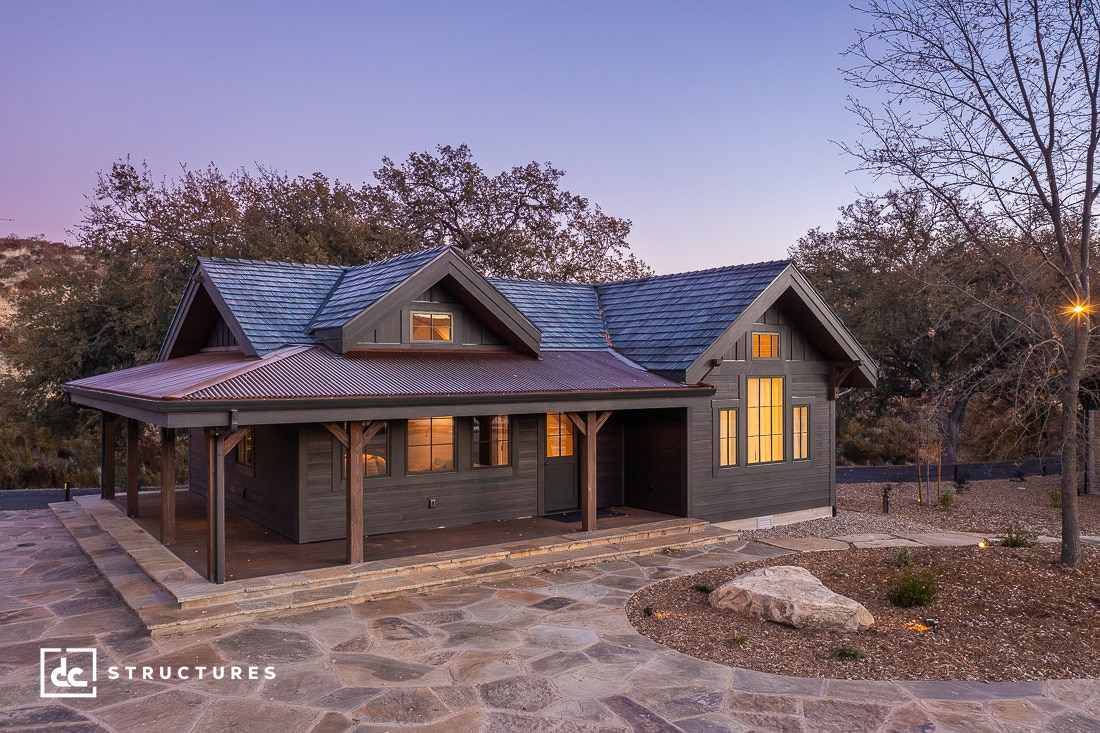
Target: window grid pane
x=490, y=441
x=765, y=420
x=559, y=435
x=801, y=428
x=765, y=346
x=727, y=437
x=431, y=444
x=431, y=326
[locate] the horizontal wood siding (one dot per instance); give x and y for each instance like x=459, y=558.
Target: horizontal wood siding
x=398, y=502
x=609, y=462
x=654, y=449
x=763, y=489
x=268, y=493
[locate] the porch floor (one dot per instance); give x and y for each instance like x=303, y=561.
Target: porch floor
x=252, y=551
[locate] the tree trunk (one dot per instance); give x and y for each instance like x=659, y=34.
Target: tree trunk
x=1071, y=395
x=952, y=426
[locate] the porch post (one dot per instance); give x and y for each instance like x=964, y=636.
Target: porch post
x=588, y=475
x=133, y=432
x=354, y=493
x=215, y=507
x=107, y=456
x=167, y=486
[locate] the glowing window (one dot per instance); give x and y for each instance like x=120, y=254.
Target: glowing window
x=559, y=435
x=800, y=448
x=765, y=346
x=490, y=438
x=431, y=444
x=727, y=437
x=246, y=451
x=431, y=326
x=764, y=432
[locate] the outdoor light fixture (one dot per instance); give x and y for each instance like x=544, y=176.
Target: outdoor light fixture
x=982, y=545
x=932, y=624
x=1077, y=310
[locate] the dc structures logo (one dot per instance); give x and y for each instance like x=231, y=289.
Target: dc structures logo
x=67, y=672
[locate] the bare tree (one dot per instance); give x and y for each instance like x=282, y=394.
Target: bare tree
x=993, y=106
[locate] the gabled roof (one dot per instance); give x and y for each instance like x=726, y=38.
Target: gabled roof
x=665, y=322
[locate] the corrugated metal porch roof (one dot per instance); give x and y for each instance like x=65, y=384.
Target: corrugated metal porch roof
x=311, y=372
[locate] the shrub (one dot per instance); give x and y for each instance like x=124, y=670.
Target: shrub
x=947, y=498
x=905, y=557
x=912, y=589
x=848, y=654
x=1056, y=498
x=700, y=588
x=1016, y=536
x=738, y=640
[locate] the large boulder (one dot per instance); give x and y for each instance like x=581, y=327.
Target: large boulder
x=791, y=595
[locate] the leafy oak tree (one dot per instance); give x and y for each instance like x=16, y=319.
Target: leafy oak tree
x=139, y=239
x=993, y=106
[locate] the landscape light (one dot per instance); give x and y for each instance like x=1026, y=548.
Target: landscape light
x=1077, y=310
x=982, y=545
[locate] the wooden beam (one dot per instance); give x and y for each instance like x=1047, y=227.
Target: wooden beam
x=133, y=464
x=107, y=456
x=579, y=421
x=338, y=432
x=215, y=507
x=167, y=486
x=234, y=438
x=840, y=373
x=354, y=493
x=602, y=419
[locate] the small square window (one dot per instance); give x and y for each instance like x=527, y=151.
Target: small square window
x=431, y=326
x=765, y=346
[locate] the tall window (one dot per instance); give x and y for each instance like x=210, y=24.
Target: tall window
x=431, y=326
x=800, y=416
x=431, y=444
x=765, y=346
x=490, y=438
x=764, y=431
x=727, y=437
x=559, y=435
x=246, y=450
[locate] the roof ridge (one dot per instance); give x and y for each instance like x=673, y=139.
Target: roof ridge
x=709, y=270
x=269, y=358
x=284, y=263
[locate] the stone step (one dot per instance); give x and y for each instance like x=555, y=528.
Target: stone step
x=170, y=597
x=273, y=605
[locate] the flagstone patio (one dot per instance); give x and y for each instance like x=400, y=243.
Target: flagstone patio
x=551, y=651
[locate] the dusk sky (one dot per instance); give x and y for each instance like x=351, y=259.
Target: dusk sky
x=708, y=124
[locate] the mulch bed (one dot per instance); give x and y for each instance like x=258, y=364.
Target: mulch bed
x=1002, y=614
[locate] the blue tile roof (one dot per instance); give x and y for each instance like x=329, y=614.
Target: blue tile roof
x=273, y=301
x=666, y=322
x=567, y=314
x=363, y=285
x=663, y=323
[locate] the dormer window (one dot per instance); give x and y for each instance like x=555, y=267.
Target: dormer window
x=765, y=346
x=431, y=326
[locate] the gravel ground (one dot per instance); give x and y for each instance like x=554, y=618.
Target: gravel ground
x=1002, y=613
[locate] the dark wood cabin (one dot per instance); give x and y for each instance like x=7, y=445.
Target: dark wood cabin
x=467, y=399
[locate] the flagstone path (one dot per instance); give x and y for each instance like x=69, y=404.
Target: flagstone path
x=548, y=652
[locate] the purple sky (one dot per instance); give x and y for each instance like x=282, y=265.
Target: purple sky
x=705, y=123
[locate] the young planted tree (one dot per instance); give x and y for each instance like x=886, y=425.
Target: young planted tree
x=993, y=107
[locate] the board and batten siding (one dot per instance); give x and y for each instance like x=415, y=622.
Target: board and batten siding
x=400, y=502
x=267, y=493
x=747, y=491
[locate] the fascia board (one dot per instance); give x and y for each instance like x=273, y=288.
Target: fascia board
x=180, y=315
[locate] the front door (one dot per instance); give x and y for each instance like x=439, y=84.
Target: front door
x=561, y=488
